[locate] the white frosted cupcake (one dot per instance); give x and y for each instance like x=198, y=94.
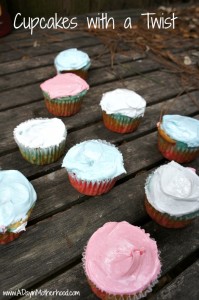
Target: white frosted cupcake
x=122, y=110
x=41, y=141
x=172, y=195
x=93, y=166
x=73, y=61
x=17, y=198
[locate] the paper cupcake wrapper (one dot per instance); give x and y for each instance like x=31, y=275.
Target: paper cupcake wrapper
x=166, y=220
x=41, y=156
x=65, y=106
x=175, y=150
x=91, y=188
x=8, y=235
x=105, y=296
x=119, y=123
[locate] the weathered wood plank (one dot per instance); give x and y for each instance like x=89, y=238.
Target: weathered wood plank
x=183, y=287
x=126, y=69
x=54, y=48
x=40, y=37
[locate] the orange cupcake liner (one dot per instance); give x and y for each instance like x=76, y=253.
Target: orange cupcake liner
x=164, y=219
x=91, y=188
x=8, y=237
x=63, y=109
x=174, y=150
x=105, y=296
x=120, y=124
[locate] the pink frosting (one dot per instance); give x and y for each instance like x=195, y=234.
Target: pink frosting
x=121, y=259
x=64, y=85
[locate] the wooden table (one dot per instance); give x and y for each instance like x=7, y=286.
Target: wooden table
x=48, y=255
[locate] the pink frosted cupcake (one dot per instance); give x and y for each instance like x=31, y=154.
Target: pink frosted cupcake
x=122, y=110
x=64, y=93
x=121, y=261
x=93, y=166
x=172, y=195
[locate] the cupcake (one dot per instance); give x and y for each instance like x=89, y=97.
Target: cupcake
x=93, y=166
x=41, y=141
x=178, y=138
x=172, y=195
x=73, y=61
x=64, y=93
x=17, y=198
x=122, y=110
x=121, y=261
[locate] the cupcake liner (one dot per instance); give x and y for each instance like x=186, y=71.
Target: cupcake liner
x=119, y=123
x=8, y=236
x=91, y=188
x=105, y=296
x=166, y=220
x=175, y=150
x=66, y=106
x=41, y=156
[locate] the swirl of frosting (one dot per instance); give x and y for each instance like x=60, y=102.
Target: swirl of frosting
x=173, y=189
x=124, y=102
x=121, y=259
x=72, y=59
x=180, y=128
x=64, y=85
x=40, y=133
x=17, y=196
x=94, y=160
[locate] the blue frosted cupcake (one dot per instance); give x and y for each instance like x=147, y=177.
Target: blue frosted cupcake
x=73, y=61
x=178, y=138
x=93, y=166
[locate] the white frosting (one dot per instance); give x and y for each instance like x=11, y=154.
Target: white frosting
x=40, y=133
x=94, y=160
x=17, y=196
x=173, y=189
x=124, y=102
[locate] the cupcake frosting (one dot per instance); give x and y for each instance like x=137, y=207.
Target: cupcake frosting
x=121, y=259
x=64, y=85
x=17, y=196
x=71, y=59
x=173, y=189
x=124, y=102
x=40, y=133
x=94, y=160
x=183, y=129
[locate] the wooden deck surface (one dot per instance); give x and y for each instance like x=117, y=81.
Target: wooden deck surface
x=48, y=255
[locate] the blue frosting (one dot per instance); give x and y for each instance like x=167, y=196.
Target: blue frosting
x=72, y=59
x=183, y=129
x=94, y=160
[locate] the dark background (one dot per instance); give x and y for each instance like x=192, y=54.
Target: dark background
x=47, y=8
